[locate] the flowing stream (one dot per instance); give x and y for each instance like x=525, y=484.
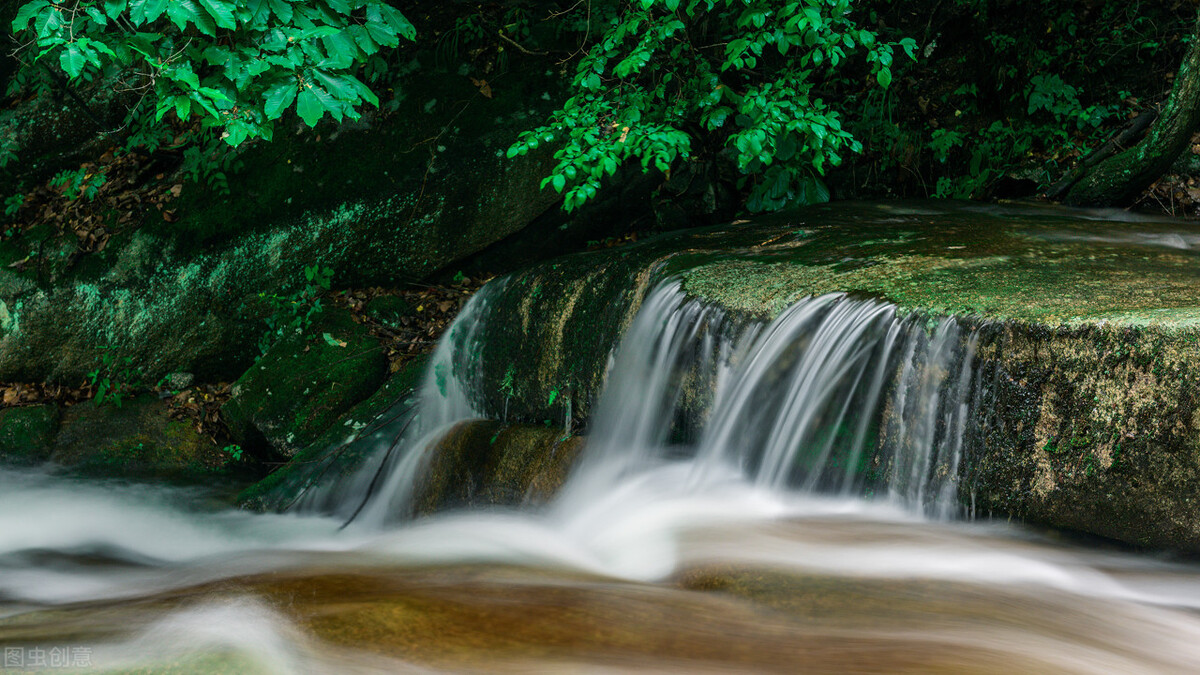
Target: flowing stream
x=770, y=496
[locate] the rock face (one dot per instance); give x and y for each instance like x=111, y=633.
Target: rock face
x=405, y=192
x=342, y=447
x=486, y=463
x=1088, y=327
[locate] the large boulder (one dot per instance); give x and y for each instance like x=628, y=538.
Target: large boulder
x=1087, y=327
x=406, y=191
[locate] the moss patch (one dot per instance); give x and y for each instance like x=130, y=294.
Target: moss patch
x=304, y=383
x=27, y=434
x=138, y=439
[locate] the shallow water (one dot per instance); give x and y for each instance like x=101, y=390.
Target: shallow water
x=653, y=578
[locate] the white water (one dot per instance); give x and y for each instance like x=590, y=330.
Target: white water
x=753, y=478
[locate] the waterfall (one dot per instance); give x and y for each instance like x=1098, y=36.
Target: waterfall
x=380, y=490
x=836, y=395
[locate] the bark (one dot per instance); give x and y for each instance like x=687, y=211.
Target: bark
x=1121, y=178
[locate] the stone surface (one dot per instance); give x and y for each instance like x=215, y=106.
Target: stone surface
x=340, y=450
x=136, y=440
x=386, y=200
x=27, y=434
x=304, y=383
x=486, y=463
x=1089, y=339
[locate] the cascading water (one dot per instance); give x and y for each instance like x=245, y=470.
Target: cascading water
x=704, y=454
x=379, y=491
x=836, y=395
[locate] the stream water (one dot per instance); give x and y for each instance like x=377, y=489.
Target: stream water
x=774, y=496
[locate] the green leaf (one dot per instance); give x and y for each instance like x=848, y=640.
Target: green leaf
x=282, y=9
x=221, y=12
x=26, y=14
x=114, y=8
x=885, y=77
x=398, y=22
x=72, y=61
x=308, y=105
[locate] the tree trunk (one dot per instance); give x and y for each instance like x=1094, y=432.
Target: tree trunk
x=1120, y=179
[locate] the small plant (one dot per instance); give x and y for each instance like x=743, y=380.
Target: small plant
x=78, y=183
x=13, y=204
x=293, y=313
x=233, y=452
x=114, y=378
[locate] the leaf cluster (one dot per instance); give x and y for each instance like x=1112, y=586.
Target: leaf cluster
x=237, y=67
x=741, y=79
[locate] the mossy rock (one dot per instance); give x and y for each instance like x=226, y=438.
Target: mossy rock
x=304, y=383
x=137, y=439
x=484, y=463
x=179, y=296
x=1088, y=336
x=27, y=434
x=341, y=448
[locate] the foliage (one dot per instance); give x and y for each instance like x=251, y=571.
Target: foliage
x=1001, y=95
x=114, y=378
x=294, y=312
x=78, y=183
x=670, y=79
x=236, y=67
x=233, y=452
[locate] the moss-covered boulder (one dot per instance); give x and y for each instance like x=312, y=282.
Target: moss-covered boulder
x=137, y=439
x=342, y=448
x=304, y=383
x=385, y=200
x=27, y=434
x=486, y=463
x=1092, y=428
x=1087, y=327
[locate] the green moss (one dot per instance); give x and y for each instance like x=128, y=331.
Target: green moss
x=137, y=439
x=27, y=434
x=304, y=383
x=341, y=448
